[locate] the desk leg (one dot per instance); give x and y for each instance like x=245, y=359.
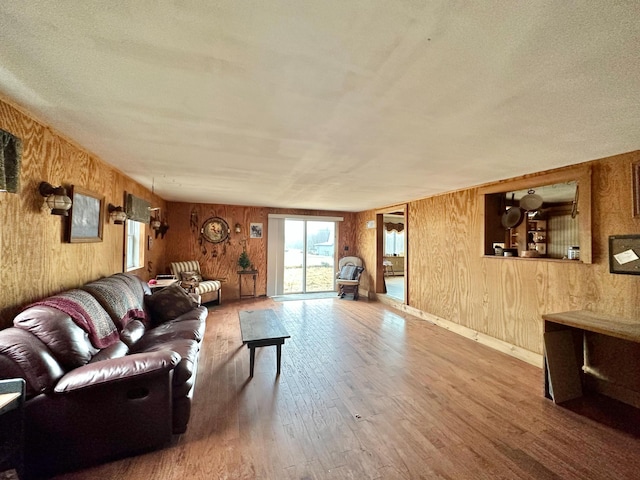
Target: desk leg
x=279, y=355
x=252, y=359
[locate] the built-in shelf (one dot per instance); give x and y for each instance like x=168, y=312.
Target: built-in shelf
x=537, y=259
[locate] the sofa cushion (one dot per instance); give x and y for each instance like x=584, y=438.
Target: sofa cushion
x=169, y=303
x=132, y=332
x=208, y=286
x=24, y=355
x=117, y=350
x=87, y=313
x=116, y=296
x=68, y=342
x=167, y=332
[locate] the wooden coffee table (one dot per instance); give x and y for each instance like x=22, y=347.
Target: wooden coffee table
x=261, y=328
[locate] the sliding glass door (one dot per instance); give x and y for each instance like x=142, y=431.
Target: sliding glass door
x=309, y=256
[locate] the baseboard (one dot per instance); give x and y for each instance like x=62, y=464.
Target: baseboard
x=520, y=353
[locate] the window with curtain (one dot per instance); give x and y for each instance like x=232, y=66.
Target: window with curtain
x=10, y=154
x=393, y=243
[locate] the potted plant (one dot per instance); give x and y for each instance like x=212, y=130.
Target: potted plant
x=243, y=261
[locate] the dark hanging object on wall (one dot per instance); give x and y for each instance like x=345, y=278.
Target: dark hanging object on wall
x=203, y=249
x=193, y=221
x=512, y=217
x=10, y=160
x=162, y=230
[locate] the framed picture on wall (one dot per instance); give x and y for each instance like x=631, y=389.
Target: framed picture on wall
x=255, y=230
x=85, y=217
x=624, y=254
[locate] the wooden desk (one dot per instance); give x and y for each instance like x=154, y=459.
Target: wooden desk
x=565, y=348
x=254, y=274
x=261, y=328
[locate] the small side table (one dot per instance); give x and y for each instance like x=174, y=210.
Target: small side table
x=161, y=283
x=12, y=394
x=254, y=274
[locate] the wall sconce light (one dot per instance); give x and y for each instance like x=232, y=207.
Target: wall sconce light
x=117, y=214
x=238, y=228
x=155, y=221
x=56, y=199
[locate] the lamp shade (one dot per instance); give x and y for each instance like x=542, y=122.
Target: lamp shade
x=56, y=199
x=117, y=214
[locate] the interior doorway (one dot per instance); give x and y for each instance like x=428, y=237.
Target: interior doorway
x=392, y=253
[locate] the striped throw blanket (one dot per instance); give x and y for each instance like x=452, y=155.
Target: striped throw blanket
x=87, y=313
x=117, y=296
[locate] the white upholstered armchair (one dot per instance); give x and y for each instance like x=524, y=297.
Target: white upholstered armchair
x=209, y=290
x=348, y=277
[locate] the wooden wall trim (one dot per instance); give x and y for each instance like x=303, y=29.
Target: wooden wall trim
x=574, y=172
x=379, y=271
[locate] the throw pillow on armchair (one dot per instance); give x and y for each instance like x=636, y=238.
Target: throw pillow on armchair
x=190, y=281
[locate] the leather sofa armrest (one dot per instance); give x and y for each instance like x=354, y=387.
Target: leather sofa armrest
x=113, y=370
x=101, y=411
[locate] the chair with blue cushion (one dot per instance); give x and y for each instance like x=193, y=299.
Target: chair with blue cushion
x=348, y=277
x=190, y=277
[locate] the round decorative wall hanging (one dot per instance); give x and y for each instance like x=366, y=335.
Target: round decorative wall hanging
x=215, y=230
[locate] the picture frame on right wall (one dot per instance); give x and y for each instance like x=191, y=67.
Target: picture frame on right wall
x=255, y=230
x=624, y=254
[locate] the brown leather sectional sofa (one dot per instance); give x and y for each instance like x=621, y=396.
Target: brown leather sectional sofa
x=109, y=369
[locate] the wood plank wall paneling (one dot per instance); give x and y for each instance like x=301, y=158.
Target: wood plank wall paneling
x=35, y=260
x=505, y=298
x=220, y=260
x=366, y=249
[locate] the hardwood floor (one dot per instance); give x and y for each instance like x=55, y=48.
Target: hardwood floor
x=395, y=287
x=368, y=392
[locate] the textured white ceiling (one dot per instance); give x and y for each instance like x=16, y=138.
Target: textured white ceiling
x=345, y=105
